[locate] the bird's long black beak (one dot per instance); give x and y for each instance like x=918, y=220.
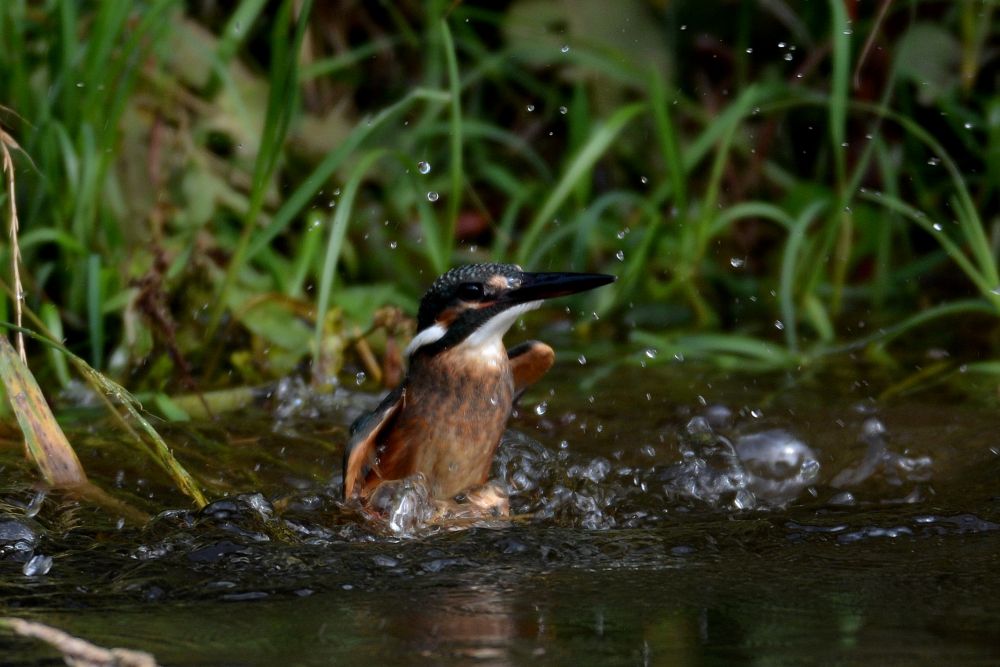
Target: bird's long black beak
x=536, y=286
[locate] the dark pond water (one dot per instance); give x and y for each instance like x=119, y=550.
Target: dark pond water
x=664, y=516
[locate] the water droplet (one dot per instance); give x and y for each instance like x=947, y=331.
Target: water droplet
x=38, y=566
x=737, y=262
x=779, y=325
x=995, y=290
x=563, y=110
x=643, y=180
x=424, y=167
x=934, y=161
x=541, y=408
x=749, y=50
x=781, y=45
x=583, y=360
x=968, y=126
x=651, y=352
x=620, y=255
x=684, y=27
x=937, y=226
x=531, y=107
x=788, y=57
x=565, y=48
x=79, y=84
x=432, y=196
x=360, y=378
x=393, y=245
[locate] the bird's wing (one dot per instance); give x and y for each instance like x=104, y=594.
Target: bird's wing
x=360, y=452
x=529, y=361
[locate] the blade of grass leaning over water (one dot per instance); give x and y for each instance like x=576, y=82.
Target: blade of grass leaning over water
x=44, y=439
x=106, y=390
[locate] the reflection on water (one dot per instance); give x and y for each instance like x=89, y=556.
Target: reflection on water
x=652, y=526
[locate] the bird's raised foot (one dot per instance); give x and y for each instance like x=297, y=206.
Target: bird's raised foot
x=488, y=501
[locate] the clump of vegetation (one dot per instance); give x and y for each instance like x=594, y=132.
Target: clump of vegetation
x=212, y=199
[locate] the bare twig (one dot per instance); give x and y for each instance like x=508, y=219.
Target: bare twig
x=6, y=143
x=78, y=652
x=872, y=35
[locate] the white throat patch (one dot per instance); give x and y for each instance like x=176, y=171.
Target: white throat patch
x=487, y=338
x=492, y=331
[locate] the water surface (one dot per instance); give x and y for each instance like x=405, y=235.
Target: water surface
x=663, y=516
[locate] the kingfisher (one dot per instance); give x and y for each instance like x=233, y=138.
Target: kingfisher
x=444, y=422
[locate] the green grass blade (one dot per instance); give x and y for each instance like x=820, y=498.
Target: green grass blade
x=578, y=168
x=280, y=106
x=455, y=141
x=95, y=310
x=322, y=172
x=338, y=230
x=789, y=259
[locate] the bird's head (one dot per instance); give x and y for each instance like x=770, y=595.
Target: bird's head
x=475, y=305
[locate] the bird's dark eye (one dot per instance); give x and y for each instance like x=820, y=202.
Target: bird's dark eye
x=470, y=291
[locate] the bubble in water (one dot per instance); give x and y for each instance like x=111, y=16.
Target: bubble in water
x=934, y=161
x=541, y=408
x=432, y=196
x=779, y=464
x=620, y=255
x=424, y=167
x=393, y=245
x=643, y=180
x=651, y=352
x=968, y=126
x=937, y=226
x=565, y=48
x=582, y=359
x=563, y=110
x=779, y=325
x=788, y=57
x=360, y=378
x=406, y=503
x=737, y=262
x=995, y=290
x=698, y=426
x=37, y=566
x=531, y=107
x=749, y=50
